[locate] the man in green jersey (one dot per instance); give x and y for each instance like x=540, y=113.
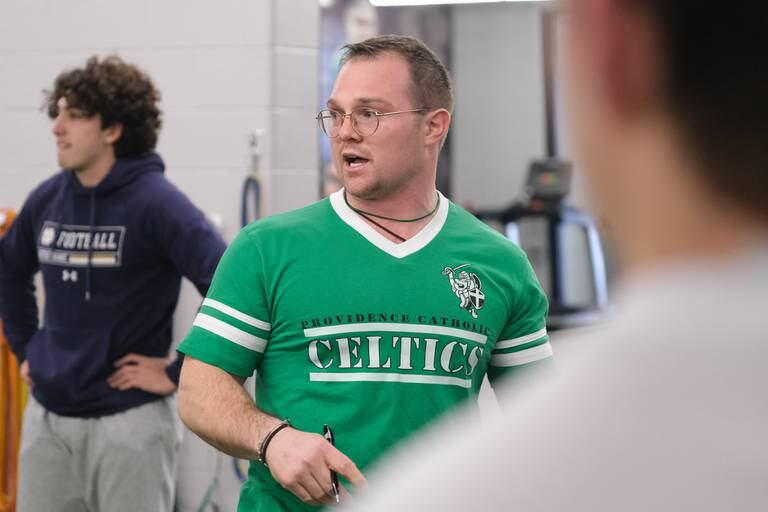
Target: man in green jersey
x=373, y=311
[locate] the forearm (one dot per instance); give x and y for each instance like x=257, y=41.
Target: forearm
x=216, y=407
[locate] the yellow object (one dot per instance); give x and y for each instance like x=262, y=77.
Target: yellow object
x=13, y=397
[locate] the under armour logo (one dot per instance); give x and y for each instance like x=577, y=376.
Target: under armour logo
x=69, y=275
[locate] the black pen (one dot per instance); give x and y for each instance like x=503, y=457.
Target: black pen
x=328, y=435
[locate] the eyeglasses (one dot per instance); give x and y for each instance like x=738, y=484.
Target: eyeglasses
x=365, y=121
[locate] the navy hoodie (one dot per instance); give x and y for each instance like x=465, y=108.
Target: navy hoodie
x=111, y=259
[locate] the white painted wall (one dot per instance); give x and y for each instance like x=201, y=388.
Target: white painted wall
x=224, y=68
x=499, y=125
x=498, y=122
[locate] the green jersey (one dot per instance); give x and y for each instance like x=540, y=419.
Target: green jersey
x=376, y=339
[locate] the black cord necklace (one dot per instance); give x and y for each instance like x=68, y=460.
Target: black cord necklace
x=369, y=216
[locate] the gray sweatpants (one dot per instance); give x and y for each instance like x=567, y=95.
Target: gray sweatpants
x=122, y=462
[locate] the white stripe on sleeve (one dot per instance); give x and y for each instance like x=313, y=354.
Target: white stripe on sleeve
x=230, y=333
x=523, y=357
x=521, y=340
x=259, y=324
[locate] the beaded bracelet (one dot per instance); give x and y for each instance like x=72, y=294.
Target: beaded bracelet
x=265, y=442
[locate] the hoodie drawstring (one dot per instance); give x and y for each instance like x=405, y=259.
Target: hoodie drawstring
x=91, y=221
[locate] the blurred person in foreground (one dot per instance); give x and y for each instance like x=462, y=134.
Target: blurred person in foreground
x=664, y=407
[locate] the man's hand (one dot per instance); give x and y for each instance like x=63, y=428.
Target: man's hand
x=24, y=373
x=142, y=372
x=302, y=463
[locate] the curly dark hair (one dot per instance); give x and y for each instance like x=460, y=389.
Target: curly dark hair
x=118, y=92
x=432, y=84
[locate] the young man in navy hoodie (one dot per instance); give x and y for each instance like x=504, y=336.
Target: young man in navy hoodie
x=112, y=238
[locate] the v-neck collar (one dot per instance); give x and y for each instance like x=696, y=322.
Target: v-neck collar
x=401, y=250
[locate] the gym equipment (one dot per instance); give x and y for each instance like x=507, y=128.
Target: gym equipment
x=562, y=243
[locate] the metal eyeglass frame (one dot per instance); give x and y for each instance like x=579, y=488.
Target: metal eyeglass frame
x=353, y=115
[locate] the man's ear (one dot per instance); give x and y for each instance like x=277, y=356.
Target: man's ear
x=113, y=132
x=437, y=124
x=625, y=48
